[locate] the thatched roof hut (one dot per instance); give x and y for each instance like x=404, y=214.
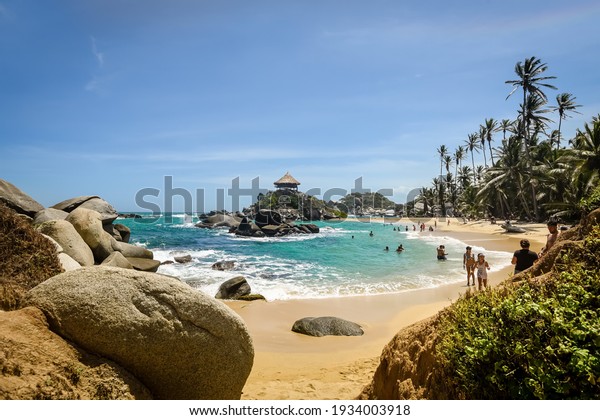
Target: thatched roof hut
x=287, y=182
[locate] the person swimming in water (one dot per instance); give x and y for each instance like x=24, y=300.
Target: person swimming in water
x=400, y=248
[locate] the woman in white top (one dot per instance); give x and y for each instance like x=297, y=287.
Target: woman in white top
x=482, y=267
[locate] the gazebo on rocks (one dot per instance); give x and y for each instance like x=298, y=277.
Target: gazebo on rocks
x=287, y=182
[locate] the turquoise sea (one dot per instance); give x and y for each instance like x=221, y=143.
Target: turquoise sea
x=342, y=260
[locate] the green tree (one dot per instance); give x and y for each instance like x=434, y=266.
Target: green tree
x=531, y=80
x=565, y=102
x=472, y=144
x=482, y=136
x=491, y=126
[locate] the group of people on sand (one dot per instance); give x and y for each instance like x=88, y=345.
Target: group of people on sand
x=522, y=258
x=479, y=265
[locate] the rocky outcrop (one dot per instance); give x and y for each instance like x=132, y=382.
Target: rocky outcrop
x=234, y=288
x=69, y=239
x=37, y=364
x=17, y=200
x=179, y=342
x=326, y=325
x=407, y=367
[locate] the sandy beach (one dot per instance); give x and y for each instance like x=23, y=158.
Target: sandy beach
x=288, y=365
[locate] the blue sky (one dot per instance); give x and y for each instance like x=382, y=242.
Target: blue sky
x=107, y=97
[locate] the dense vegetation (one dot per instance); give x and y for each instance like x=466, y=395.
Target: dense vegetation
x=26, y=258
x=536, y=339
x=532, y=172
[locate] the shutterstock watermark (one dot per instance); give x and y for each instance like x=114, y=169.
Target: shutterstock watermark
x=194, y=201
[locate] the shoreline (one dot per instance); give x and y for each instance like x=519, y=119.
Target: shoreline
x=288, y=365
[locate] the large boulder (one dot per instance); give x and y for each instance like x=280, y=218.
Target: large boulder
x=49, y=214
x=247, y=228
x=116, y=259
x=37, y=364
x=68, y=263
x=72, y=203
x=223, y=265
x=70, y=241
x=326, y=325
x=135, y=251
x=268, y=217
x=181, y=343
x=90, y=202
x=144, y=264
x=222, y=220
x=123, y=231
x=107, y=212
x=88, y=223
x=17, y=200
x=233, y=288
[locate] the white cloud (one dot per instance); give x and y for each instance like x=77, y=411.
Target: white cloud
x=99, y=55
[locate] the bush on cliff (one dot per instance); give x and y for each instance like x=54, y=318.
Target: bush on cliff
x=539, y=339
x=26, y=258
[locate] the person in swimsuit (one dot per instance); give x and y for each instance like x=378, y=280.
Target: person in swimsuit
x=441, y=253
x=482, y=268
x=469, y=265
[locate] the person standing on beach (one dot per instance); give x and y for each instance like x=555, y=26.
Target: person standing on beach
x=523, y=258
x=551, y=238
x=482, y=268
x=469, y=264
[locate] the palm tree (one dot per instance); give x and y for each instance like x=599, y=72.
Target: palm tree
x=508, y=178
x=480, y=172
x=442, y=151
x=426, y=196
x=464, y=175
x=565, y=103
x=459, y=155
x=506, y=125
x=585, y=154
x=491, y=126
x=472, y=144
x=531, y=80
x=482, y=135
